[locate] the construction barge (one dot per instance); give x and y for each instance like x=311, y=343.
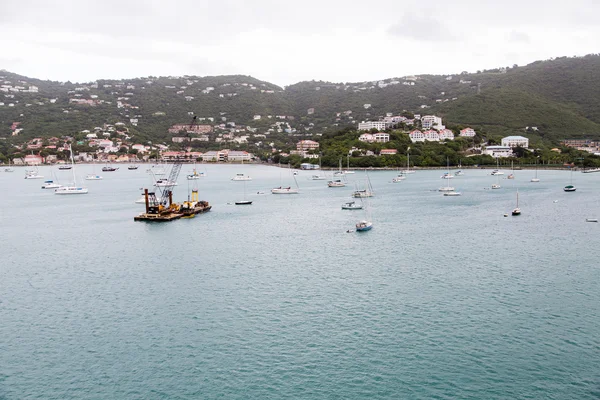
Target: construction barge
x=158, y=211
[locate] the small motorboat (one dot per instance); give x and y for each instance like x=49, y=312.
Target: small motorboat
x=50, y=185
x=591, y=220
x=363, y=226
x=352, y=205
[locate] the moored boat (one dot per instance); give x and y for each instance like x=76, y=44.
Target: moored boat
x=363, y=226
x=351, y=205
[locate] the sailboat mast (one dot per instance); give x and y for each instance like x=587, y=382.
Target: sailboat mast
x=72, y=165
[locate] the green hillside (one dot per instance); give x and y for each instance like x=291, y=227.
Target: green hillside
x=557, y=96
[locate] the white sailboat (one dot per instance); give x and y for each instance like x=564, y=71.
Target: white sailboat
x=497, y=173
x=535, y=179
x=33, y=174
x=93, y=176
x=365, y=224
x=336, y=181
x=195, y=174
x=319, y=176
x=408, y=170
x=241, y=176
x=287, y=190
x=51, y=184
x=9, y=168
x=74, y=188
x=400, y=177
x=367, y=191
x=449, y=190
x=497, y=170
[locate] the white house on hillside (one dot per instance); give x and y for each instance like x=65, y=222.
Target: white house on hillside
x=446, y=134
x=380, y=137
x=467, y=132
x=416, y=136
x=431, y=136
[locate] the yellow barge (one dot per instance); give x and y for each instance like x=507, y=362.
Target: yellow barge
x=159, y=212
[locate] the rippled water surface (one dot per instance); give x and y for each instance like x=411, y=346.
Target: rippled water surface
x=444, y=298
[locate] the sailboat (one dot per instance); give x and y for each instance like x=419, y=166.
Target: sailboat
x=447, y=188
x=408, y=170
x=365, y=224
x=157, y=168
x=367, y=191
x=512, y=174
x=109, y=168
x=337, y=182
x=497, y=170
x=50, y=184
x=319, y=176
x=9, y=168
x=241, y=176
x=348, y=167
x=93, y=176
x=459, y=172
x=535, y=179
x=517, y=210
x=33, y=174
x=195, y=174
x=400, y=177
x=287, y=190
x=74, y=189
x=497, y=173
x=244, y=202
x=570, y=187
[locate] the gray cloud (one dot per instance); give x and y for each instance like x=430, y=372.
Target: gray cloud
x=422, y=28
x=518, y=37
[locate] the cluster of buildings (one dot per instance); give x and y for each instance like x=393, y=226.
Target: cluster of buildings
x=506, y=148
x=588, y=145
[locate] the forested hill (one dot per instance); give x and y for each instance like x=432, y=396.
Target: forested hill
x=559, y=97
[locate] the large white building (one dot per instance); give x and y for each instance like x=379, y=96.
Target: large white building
x=367, y=126
x=234, y=155
x=428, y=121
x=498, y=151
x=515, y=141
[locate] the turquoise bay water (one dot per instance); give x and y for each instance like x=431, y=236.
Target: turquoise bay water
x=444, y=298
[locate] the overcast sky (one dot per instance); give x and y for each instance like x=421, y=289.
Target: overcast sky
x=284, y=41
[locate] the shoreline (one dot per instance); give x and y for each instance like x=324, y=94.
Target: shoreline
x=440, y=168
